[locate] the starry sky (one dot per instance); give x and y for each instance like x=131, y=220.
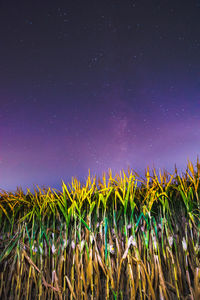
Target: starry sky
x=97, y=85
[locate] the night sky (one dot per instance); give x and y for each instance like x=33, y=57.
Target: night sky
x=97, y=84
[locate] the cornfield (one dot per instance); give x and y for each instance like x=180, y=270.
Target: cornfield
x=106, y=239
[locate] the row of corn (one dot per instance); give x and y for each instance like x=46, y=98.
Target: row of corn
x=120, y=237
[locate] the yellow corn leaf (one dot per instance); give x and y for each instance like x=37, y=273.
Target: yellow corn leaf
x=89, y=268
x=119, y=196
x=70, y=287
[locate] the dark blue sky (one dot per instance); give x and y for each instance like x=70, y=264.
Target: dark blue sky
x=97, y=84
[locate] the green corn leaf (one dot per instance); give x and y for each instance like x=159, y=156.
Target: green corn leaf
x=138, y=221
x=106, y=246
x=9, y=248
x=92, y=207
x=86, y=225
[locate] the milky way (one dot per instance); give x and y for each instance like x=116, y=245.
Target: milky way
x=97, y=85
